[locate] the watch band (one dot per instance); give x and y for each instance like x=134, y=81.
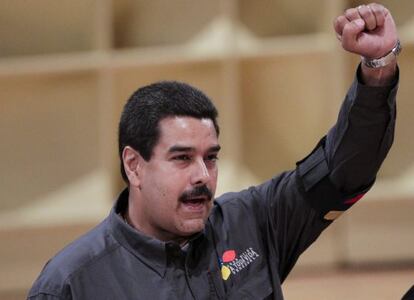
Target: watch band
x=385, y=60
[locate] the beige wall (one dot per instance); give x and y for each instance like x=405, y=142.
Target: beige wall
x=273, y=68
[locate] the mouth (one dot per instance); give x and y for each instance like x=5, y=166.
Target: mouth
x=196, y=200
x=195, y=204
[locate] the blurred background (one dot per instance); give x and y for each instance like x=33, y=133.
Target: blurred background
x=277, y=75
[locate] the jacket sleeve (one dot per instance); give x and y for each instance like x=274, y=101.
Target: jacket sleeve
x=345, y=163
x=359, y=142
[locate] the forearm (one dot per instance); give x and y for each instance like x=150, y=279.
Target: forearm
x=361, y=138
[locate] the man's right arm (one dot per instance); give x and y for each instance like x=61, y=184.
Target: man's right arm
x=341, y=168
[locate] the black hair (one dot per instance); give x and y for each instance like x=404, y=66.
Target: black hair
x=140, y=118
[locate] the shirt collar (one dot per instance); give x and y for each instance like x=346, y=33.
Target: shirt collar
x=149, y=250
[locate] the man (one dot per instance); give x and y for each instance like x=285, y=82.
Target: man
x=166, y=239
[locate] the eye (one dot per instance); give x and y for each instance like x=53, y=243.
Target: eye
x=182, y=157
x=212, y=157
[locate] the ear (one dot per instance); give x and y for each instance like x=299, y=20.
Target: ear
x=132, y=161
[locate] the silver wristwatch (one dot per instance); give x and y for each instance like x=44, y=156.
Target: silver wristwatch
x=385, y=60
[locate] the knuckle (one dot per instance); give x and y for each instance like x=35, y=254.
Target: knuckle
x=350, y=12
x=339, y=21
x=376, y=5
x=342, y=19
x=347, y=30
x=376, y=10
x=378, y=13
x=365, y=12
x=347, y=27
x=379, y=8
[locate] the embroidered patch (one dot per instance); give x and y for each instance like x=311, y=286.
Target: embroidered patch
x=233, y=264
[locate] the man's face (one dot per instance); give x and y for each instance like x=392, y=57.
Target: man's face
x=178, y=183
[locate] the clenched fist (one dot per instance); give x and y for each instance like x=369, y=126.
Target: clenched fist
x=370, y=31
x=367, y=30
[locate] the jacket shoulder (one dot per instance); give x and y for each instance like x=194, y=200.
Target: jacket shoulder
x=74, y=257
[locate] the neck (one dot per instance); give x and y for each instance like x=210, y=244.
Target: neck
x=182, y=241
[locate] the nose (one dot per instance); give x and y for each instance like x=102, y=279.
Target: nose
x=200, y=174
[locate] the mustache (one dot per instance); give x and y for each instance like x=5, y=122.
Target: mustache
x=198, y=191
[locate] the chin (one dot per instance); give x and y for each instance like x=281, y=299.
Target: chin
x=190, y=227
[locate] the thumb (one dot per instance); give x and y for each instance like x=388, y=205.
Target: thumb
x=350, y=34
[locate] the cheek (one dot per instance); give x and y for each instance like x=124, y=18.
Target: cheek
x=160, y=181
x=213, y=179
x=161, y=204
x=166, y=192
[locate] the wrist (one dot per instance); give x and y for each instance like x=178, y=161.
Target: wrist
x=380, y=71
x=379, y=76
x=385, y=60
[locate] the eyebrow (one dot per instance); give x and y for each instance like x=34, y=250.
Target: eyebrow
x=178, y=148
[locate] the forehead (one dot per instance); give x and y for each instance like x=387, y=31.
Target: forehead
x=187, y=131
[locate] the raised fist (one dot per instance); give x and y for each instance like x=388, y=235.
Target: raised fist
x=367, y=30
